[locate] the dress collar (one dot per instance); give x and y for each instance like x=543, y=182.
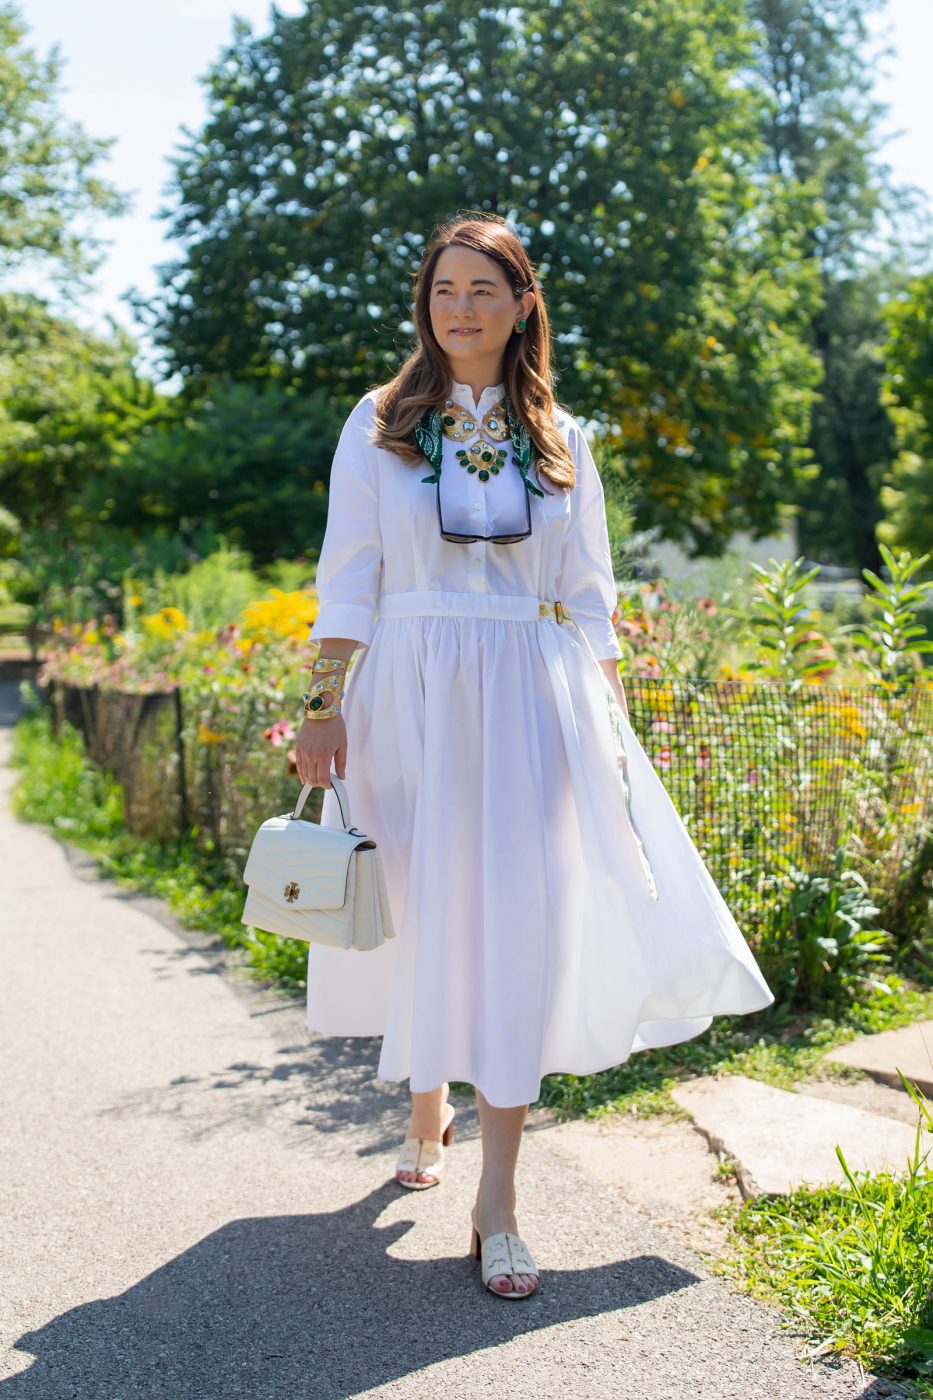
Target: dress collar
x=463, y=394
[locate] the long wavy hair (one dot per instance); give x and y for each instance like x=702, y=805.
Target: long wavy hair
x=423, y=381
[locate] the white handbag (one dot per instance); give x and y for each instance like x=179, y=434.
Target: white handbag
x=323, y=884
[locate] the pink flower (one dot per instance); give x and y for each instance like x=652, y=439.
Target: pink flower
x=279, y=733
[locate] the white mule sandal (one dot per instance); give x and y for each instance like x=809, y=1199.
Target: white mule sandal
x=424, y=1155
x=503, y=1253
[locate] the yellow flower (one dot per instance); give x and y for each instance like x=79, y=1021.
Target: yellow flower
x=208, y=736
x=165, y=624
x=281, y=615
x=850, y=719
x=92, y=636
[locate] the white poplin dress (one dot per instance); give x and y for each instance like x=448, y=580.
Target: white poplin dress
x=538, y=930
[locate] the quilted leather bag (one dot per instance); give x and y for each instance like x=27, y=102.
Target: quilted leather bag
x=321, y=884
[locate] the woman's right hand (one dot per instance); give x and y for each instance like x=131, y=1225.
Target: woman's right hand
x=320, y=745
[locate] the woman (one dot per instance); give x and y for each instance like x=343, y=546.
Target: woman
x=539, y=929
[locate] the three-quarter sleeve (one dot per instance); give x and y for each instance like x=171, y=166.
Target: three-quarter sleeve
x=349, y=569
x=586, y=585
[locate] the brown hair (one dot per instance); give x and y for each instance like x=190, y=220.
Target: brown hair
x=424, y=379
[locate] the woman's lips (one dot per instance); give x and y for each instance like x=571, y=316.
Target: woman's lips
x=464, y=332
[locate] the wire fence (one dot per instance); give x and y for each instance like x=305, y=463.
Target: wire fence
x=766, y=775
x=774, y=775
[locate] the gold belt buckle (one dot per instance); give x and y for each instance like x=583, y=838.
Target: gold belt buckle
x=559, y=613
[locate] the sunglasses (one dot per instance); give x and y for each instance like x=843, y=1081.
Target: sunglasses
x=456, y=538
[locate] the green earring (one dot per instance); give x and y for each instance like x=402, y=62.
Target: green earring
x=521, y=323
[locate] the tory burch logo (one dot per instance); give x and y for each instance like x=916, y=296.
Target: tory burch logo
x=292, y=891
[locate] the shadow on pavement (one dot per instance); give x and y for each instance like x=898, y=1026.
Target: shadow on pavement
x=304, y=1305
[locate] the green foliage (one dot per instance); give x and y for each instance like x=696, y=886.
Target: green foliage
x=824, y=127
x=69, y=402
x=73, y=582
x=841, y=511
x=788, y=647
x=249, y=462
x=623, y=144
x=822, y=945
x=824, y=134
x=895, y=642
x=908, y=394
x=210, y=593
x=64, y=790
x=47, y=177
x=851, y=1265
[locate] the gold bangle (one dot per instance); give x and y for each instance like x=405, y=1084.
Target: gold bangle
x=321, y=700
x=330, y=713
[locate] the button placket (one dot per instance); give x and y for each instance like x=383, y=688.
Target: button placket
x=476, y=557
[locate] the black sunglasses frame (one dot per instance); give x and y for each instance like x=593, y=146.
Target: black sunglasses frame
x=454, y=538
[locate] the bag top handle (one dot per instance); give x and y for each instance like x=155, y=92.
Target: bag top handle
x=342, y=799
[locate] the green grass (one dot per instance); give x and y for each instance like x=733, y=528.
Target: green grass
x=61, y=789
x=850, y=1266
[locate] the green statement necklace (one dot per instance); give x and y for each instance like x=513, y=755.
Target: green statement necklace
x=482, y=459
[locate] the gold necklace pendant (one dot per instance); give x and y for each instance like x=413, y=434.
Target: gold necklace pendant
x=482, y=458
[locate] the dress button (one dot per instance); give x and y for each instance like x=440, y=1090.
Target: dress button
x=476, y=505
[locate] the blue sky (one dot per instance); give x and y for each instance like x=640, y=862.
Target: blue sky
x=131, y=71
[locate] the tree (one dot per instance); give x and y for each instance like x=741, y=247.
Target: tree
x=618, y=143
x=250, y=463
x=822, y=137
x=47, y=178
x=70, y=401
x=907, y=489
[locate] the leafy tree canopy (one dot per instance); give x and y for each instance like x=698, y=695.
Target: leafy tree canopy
x=47, y=177
x=623, y=145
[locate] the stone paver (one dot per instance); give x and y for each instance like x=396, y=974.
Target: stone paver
x=782, y=1140
x=196, y=1202
x=909, y=1049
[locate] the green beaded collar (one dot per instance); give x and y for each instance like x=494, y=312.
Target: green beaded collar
x=430, y=439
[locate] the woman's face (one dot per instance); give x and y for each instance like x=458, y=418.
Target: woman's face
x=473, y=312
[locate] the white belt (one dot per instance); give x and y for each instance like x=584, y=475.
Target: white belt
x=525, y=607
x=510, y=607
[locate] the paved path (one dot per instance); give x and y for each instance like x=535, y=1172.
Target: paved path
x=197, y=1201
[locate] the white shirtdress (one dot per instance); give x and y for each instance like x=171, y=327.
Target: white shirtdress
x=538, y=930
